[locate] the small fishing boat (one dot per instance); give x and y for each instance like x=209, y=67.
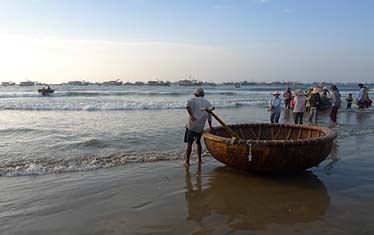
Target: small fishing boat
x=269, y=148
x=45, y=91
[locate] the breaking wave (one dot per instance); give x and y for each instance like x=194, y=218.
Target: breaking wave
x=109, y=93
x=100, y=106
x=44, y=166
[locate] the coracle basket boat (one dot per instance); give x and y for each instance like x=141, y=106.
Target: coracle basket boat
x=270, y=148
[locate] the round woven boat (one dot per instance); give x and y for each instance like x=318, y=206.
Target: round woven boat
x=266, y=147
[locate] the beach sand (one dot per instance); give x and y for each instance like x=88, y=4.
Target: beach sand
x=165, y=197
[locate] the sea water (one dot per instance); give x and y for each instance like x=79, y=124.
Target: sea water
x=89, y=127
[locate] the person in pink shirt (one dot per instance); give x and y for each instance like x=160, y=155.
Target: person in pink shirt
x=299, y=106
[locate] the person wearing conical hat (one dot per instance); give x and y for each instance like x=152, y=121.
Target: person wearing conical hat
x=196, y=122
x=315, y=100
x=275, y=107
x=299, y=106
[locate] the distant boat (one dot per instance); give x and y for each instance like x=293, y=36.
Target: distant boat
x=78, y=83
x=158, y=83
x=8, y=83
x=27, y=83
x=46, y=91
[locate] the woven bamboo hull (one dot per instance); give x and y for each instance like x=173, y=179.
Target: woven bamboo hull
x=269, y=147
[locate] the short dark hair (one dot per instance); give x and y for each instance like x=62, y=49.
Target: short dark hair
x=199, y=95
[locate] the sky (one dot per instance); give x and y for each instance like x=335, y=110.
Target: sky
x=55, y=41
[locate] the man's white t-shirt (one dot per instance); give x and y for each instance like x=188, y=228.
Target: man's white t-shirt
x=196, y=104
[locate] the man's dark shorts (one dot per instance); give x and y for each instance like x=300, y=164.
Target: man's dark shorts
x=191, y=136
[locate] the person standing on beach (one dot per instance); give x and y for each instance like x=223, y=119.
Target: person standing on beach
x=349, y=100
x=360, y=100
x=315, y=100
x=287, y=98
x=275, y=107
x=196, y=122
x=308, y=96
x=336, y=101
x=299, y=106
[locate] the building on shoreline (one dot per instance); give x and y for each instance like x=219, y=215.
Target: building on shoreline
x=77, y=83
x=8, y=84
x=158, y=83
x=27, y=83
x=188, y=82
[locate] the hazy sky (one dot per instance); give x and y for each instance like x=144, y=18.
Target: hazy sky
x=210, y=40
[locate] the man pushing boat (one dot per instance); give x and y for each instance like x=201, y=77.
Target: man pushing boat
x=196, y=122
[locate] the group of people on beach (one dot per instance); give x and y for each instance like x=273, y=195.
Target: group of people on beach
x=309, y=101
x=313, y=100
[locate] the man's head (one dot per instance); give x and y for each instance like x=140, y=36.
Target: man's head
x=361, y=85
x=199, y=92
x=276, y=93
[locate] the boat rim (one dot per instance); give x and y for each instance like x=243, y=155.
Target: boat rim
x=329, y=135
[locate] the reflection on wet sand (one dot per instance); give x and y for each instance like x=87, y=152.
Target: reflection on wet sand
x=333, y=157
x=252, y=202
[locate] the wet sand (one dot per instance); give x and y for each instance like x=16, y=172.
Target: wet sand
x=167, y=198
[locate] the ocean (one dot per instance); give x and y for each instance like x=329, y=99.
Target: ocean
x=89, y=127
x=107, y=160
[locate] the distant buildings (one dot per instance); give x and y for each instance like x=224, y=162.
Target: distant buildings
x=183, y=83
x=112, y=83
x=77, y=83
x=27, y=83
x=188, y=82
x=139, y=83
x=8, y=84
x=158, y=83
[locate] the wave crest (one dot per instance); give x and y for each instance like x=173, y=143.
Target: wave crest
x=44, y=166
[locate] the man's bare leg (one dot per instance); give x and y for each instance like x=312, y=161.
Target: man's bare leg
x=198, y=149
x=188, y=154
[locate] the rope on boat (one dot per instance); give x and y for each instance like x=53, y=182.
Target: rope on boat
x=249, y=152
x=233, y=140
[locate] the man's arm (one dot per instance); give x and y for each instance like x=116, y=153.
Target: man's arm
x=189, y=110
x=210, y=121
